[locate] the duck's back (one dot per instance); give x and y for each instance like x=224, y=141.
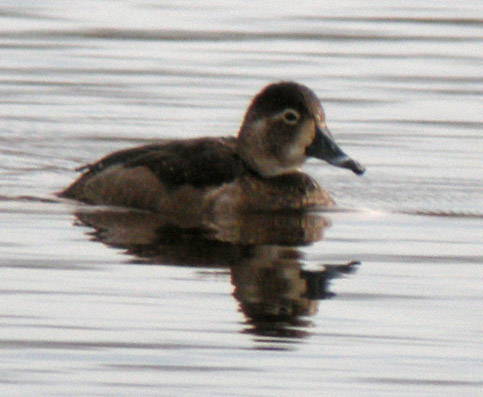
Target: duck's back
x=159, y=176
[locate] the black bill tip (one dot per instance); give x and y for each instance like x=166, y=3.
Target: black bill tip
x=357, y=168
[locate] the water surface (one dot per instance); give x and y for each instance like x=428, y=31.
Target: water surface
x=382, y=297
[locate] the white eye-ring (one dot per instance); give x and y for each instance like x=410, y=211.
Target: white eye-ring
x=291, y=116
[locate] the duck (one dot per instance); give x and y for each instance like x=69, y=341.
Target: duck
x=259, y=170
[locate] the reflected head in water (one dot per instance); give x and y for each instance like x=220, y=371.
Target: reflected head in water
x=259, y=170
x=277, y=295
x=262, y=252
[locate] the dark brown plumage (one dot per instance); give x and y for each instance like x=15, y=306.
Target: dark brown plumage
x=257, y=171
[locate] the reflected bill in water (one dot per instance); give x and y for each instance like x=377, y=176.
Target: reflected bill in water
x=262, y=252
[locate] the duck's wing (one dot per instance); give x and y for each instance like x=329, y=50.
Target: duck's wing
x=199, y=162
x=195, y=162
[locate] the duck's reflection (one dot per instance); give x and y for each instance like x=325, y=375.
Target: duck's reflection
x=262, y=252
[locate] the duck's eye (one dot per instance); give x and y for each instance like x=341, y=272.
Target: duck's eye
x=291, y=116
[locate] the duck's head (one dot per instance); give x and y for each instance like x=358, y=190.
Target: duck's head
x=285, y=124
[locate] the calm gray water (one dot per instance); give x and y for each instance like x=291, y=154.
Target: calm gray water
x=382, y=297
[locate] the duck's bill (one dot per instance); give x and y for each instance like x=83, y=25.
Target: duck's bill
x=345, y=161
x=325, y=148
